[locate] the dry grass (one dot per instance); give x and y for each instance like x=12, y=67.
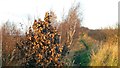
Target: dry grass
x=107, y=54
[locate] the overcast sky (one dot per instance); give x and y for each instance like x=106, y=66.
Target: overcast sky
x=96, y=13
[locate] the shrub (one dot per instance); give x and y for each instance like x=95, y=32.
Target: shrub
x=41, y=46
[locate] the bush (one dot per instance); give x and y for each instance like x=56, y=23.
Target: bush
x=41, y=46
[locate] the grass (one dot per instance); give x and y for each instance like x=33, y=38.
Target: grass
x=100, y=53
x=82, y=58
x=107, y=54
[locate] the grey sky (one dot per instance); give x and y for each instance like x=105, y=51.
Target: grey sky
x=96, y=13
